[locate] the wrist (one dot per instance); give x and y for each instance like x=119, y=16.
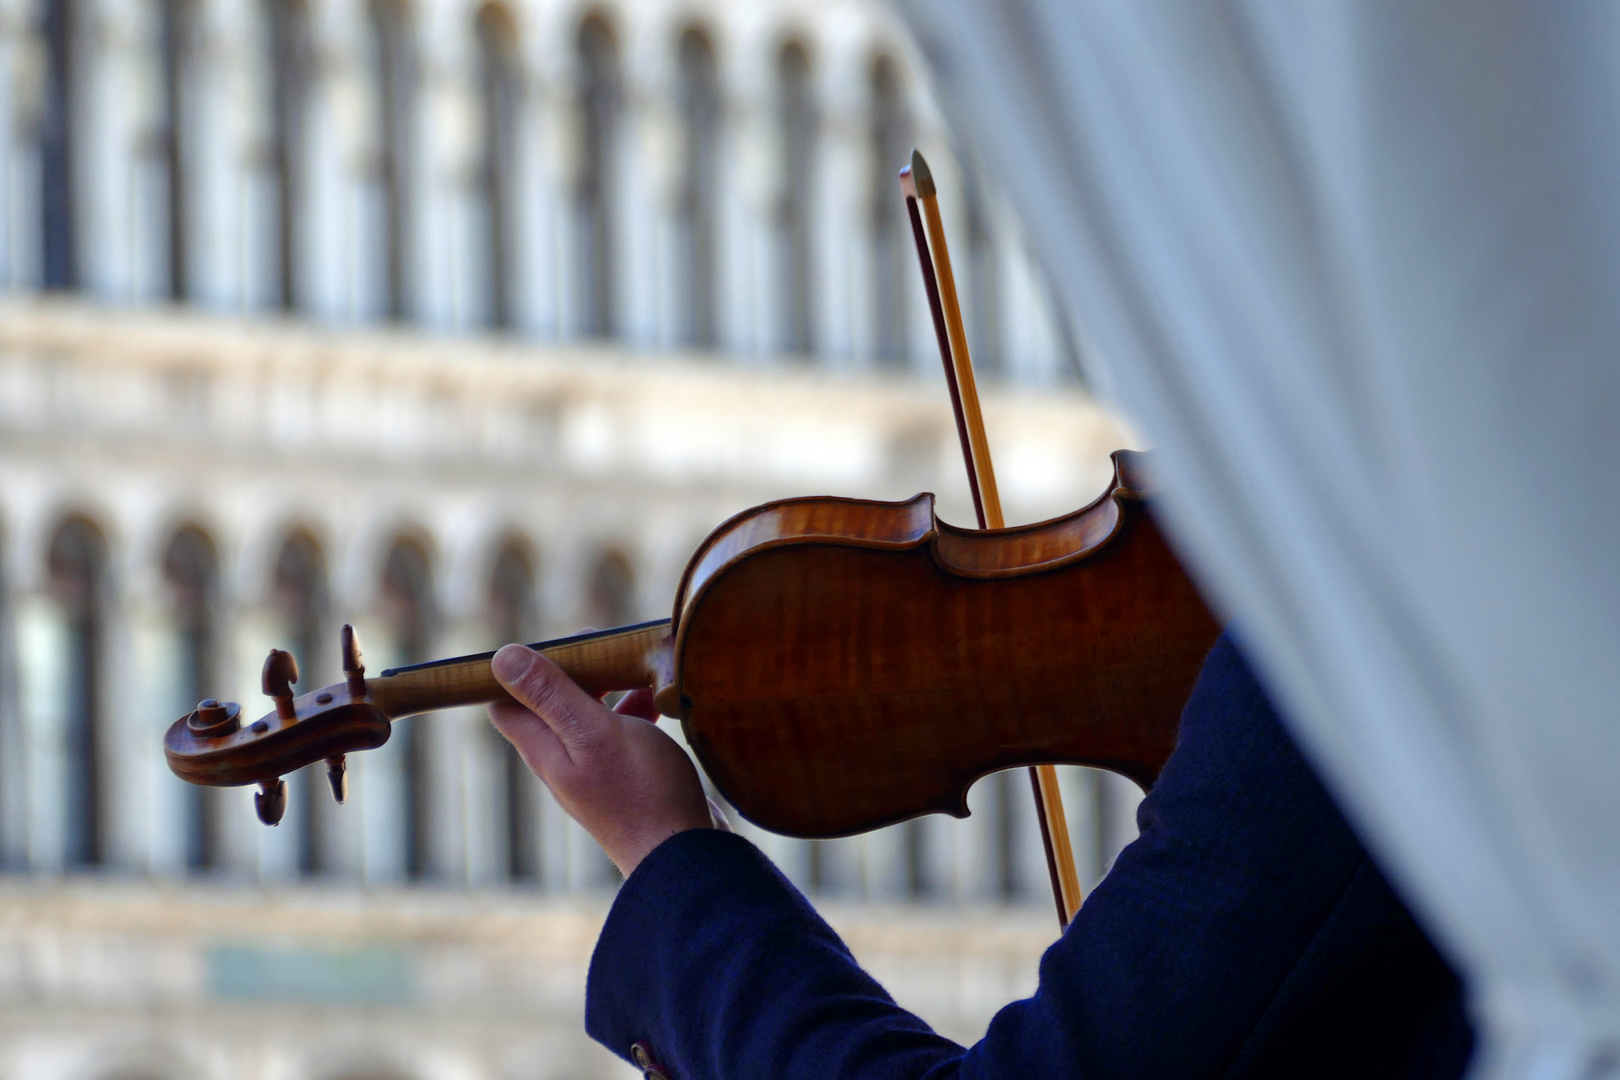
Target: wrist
x=635, y=853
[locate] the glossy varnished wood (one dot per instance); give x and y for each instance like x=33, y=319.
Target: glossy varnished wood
x=627, y=659
x=887, y=694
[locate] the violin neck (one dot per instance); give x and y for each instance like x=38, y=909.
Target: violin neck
x=629, y=658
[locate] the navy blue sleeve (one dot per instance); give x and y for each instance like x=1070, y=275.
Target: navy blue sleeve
x=1196, y=956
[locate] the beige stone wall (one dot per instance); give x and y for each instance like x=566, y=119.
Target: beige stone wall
x=188, y=982
x=186, y=942
x=143, y=424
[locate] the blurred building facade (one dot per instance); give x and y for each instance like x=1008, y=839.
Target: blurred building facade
x=462, y=323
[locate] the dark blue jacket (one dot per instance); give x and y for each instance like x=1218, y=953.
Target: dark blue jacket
x=1245, y=933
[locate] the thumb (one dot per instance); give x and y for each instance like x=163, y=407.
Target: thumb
x=544, y=689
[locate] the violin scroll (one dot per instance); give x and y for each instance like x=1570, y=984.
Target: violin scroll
x=211, y=746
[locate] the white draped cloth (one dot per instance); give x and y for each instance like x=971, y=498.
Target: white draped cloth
x=1355, y=268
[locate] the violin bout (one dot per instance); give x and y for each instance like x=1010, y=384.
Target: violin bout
x=846, y=664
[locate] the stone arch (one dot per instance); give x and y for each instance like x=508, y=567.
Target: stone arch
x=610, y=591
x=798, y=125
x=77, y=571
x=512, y=599
x=191, y=577
x=599, y=93
x=290, y=71
x=500, y=93
x=179, y=59
x=407, y=596
x=191, y=570
x=513, y=615
x=407, y=600
x=64, y=54
x=300, y=598
x=702, y=111
x=395, y=73
x=889, y=147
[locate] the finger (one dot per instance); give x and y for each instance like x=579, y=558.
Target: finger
x=551, y=695
x=539, y=747
x=638, y=703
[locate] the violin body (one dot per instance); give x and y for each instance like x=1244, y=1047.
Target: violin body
x=836, y=664
x=842, y=664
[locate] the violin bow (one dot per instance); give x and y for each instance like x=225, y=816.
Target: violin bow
x=917, y=182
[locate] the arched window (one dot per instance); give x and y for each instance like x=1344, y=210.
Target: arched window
x=179, y=48
x=59, y=262
x=408, y=606
x=797, y=119
x=500, y=90
x=890, y=148
x=13, y=810
x=611, y=595
x=191, y=571
x=291, y=70
x=77, y=571
x=300, y=600
x=395, y=70
x=600, y=95
x=514, y=616
x=701, y=118
x=983, y=287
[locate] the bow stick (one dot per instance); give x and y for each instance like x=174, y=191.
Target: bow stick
x=940, y=284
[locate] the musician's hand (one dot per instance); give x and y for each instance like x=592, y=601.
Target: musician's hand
x=627, y=782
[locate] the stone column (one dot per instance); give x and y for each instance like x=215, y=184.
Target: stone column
x=42, y=691
x=13, y=747
x=155, y=700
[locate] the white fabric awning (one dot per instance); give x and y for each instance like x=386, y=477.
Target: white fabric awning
x=1355, y=267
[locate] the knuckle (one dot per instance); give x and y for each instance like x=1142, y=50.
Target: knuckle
x=550, y=695
x=538, y=687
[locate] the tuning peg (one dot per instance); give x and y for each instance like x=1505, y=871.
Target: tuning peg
x=271, y=800
x=337, y=775
x=354, y=670
x=213, y=719
x=280, y=672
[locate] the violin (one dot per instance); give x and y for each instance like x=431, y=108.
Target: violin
x=837, y=665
